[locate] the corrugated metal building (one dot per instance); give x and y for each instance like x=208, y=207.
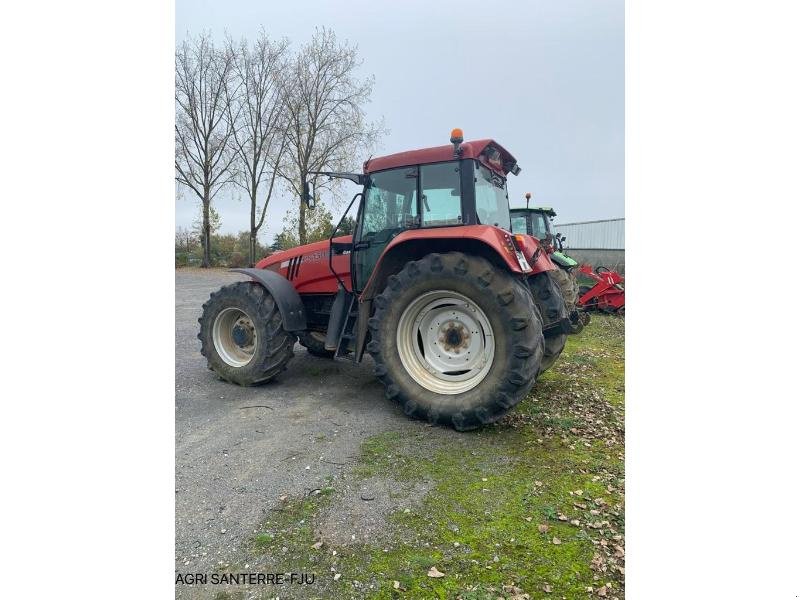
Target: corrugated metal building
x=596, y=242
x=606, y=234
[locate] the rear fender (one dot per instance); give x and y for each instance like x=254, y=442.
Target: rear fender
x=535, y=254
x=286, y=297
x=492, y=243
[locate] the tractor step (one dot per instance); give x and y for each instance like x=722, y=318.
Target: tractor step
x=347, y=340
x=341, y=336
x=340, y=313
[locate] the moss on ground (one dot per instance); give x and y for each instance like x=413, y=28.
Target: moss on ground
x=533, y=504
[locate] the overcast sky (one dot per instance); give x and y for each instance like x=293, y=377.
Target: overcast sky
x=544, y=79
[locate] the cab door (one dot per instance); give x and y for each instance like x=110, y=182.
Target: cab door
x=390, y=206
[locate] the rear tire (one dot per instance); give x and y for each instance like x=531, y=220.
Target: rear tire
x=314, y=342
x=482, y=343
x=568, y=284
x=547, y=296
x=242, y=336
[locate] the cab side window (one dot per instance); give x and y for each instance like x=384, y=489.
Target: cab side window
x=441, y=194
x=390, y=203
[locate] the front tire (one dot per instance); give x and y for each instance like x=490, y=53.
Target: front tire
x=455, y=340
x=242, y=336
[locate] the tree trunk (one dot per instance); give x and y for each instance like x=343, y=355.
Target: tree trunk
x=301, y=228
x=301, y=232
x=253, y=231
x=206, y=232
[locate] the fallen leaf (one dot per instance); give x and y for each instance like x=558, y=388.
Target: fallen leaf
x=396, y=585
x=336, y=577
x=529, y=519
x=562, y=517
x=317, y=545
x=556, y=541
x=601, y=591
x=575, y=522
x=547, y=588
x=434, y=572
x=544, y=528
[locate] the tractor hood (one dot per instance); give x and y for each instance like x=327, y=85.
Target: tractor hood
x=308, y=267
x=313, y=250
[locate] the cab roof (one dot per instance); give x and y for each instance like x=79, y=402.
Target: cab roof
x=472, y=149
x=542, y=209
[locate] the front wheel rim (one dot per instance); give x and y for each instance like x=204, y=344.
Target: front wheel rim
x=445, y=342
x=234, y=337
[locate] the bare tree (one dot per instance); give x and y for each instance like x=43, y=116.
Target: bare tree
x=203, y=157
x=255, y=109
x=327, y=127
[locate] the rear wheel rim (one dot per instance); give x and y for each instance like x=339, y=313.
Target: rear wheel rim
x=234, y=336
x=445, y=342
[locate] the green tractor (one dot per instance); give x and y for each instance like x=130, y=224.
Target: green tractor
x=536, y=222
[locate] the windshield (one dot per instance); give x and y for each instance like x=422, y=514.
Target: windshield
x=519, y=224
x=491, y=198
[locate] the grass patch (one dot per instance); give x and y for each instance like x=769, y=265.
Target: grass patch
x=532, y=503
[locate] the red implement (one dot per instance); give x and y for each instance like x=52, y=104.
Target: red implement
x=607, y=294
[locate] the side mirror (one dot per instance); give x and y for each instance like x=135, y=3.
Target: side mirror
x=308, y=197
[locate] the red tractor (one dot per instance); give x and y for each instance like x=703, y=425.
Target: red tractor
x=459, y=315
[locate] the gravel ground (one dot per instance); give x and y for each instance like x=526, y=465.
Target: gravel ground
x=239, y=450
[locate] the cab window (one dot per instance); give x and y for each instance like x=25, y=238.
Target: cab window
x=538, y=225
x=390, y=203
x=491, y=198
x=441, y=194
x=519, y=225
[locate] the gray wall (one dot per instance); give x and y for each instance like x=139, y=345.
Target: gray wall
x=598, y=243
x=596, y=257
x=608, y=233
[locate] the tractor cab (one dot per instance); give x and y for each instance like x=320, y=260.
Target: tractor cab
x=428, y=193
x=534, y=221
x=537, y=221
